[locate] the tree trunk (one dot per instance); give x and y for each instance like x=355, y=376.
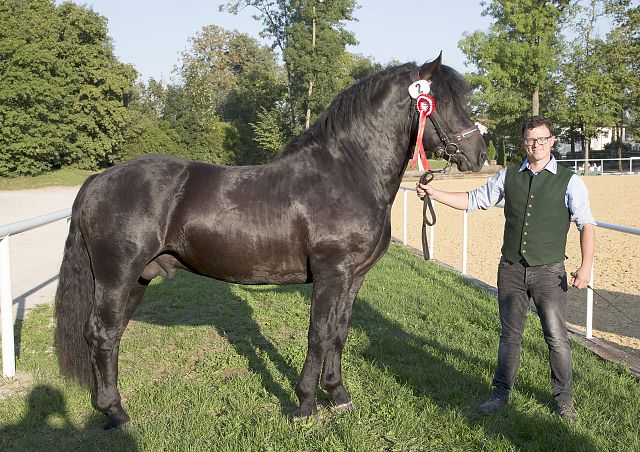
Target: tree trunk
x=587, y=142
x=535, y=102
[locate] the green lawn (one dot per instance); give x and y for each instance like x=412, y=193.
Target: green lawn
x=61, y=177
x=211, y=366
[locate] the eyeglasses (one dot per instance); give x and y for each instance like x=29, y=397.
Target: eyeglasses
x=541, y=141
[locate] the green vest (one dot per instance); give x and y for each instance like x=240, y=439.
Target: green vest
x=536, y=216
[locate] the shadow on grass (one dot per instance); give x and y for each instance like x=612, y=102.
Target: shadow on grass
x=232, y=317
x=46, y=426
x=428, y=375
x=420, y=367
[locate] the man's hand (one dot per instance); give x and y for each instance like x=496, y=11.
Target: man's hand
x=580, y=278
x=423, y=190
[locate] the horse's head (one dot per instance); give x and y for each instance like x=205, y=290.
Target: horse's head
x=450, y=134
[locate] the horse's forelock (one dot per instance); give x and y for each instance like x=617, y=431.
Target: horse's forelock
x=450, y=87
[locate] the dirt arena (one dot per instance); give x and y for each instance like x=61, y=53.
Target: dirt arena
x=615, y=199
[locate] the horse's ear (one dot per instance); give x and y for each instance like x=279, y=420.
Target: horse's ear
x=428, y=69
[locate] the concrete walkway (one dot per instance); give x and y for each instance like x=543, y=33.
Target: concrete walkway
x=35, y=255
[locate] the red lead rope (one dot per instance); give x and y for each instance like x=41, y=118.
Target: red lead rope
x=426, y=105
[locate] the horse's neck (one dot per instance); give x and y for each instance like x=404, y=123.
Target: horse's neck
x=384, y=150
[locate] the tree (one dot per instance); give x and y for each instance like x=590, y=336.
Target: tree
x=491, y=151
x=586, y=79
x=517, y=61
x=228, y=76
x=314, y=67
x=64, y=95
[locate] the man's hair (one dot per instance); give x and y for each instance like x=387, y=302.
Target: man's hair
x=536, y=121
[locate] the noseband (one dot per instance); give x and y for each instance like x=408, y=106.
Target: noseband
x=449, y=146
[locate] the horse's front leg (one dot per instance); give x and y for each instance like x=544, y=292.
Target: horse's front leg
x=331, y=380
x=328, y=296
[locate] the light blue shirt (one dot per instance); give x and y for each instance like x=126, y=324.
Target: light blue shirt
x=576, y=198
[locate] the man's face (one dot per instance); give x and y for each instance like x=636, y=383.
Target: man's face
x=537, y=151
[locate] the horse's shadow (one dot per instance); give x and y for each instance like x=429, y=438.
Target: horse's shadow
x=420, y=366
x=240, y=328
x=46, y=426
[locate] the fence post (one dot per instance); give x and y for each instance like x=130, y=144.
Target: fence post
x=464, y=243
x=589, y=323
x=6, y=310
x=404, y=217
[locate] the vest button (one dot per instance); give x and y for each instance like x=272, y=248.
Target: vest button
x=526, y=224
x=524, y=243
x=528, y=214
x=524, y=251
x=532, y=196
x=530, y=205
x=525, y=232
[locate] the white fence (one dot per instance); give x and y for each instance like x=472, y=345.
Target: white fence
x=629, y=165
x=6, y=317
x=6, y=301
x=432, y=247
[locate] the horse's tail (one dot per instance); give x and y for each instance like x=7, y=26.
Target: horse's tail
x=74, y=300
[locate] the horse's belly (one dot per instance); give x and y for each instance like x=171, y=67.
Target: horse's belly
x=248, y=262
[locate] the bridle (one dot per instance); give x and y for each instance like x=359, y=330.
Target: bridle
x=449, y=146
x=446, y=150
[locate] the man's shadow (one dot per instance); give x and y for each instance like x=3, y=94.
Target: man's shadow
x=46, y=426
x=232, y=317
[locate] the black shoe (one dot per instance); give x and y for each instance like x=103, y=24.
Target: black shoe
x=493, y=404
x=566, y=411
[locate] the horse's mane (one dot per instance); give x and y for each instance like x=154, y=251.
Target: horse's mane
x=350, y=105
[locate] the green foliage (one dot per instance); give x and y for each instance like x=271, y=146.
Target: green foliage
x=227, y=77
x=63, y=97
x=267, y=131
x=316, y=70
x=517, y=61
x=502, y=157
x=491, y=150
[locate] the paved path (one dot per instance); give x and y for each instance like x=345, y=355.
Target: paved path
x=35, y=254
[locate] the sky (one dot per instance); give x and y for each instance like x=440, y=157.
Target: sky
x=151, y=34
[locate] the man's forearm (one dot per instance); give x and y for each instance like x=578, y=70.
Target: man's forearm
x=457, y=200
x=587, y=244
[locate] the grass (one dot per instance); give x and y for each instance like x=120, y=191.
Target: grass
x=206, y=365
x=61, y=177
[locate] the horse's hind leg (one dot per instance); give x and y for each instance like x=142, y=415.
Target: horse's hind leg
x=329, y=294
x=109, y=318
x=331, y=379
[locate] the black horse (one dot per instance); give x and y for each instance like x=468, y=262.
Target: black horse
x=319, y=213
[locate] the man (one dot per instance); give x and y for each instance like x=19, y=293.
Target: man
x=541, y=198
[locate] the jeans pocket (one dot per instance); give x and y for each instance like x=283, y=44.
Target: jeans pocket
x=557, y=268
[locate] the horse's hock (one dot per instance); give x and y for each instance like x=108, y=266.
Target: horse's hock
x=616, y=268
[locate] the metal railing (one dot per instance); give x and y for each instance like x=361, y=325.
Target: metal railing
x=602, y=168
x=6, y=300
x=589, y=319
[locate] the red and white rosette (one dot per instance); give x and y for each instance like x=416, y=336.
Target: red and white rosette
x=426, y=105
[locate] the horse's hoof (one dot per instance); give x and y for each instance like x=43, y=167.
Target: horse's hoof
x=117, y=422
x=345, y=407
x=304, y=415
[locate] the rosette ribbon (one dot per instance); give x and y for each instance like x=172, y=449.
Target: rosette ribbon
x=426, y=105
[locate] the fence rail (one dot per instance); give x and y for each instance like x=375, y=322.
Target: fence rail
x=613, y=227
x=6, y=300
x=610, y=167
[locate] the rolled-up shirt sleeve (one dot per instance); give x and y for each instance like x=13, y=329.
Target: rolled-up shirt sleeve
x=489, y=194
x=577, y=200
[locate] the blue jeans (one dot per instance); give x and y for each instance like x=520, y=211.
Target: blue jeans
x=547, y=286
